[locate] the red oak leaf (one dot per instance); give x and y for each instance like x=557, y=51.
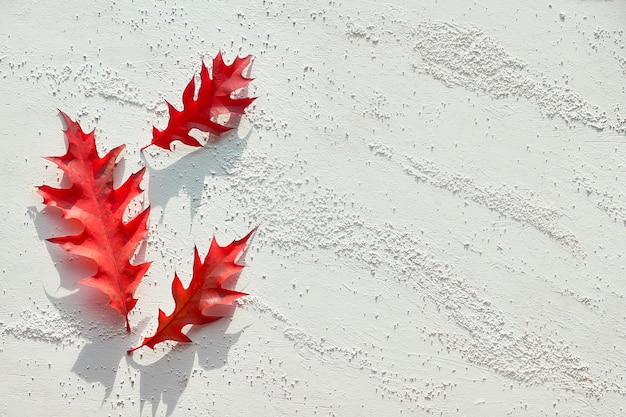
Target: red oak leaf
x=200, y=302
x=92, y=200
x=213, y=100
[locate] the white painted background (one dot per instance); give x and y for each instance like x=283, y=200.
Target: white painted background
x=439, y=188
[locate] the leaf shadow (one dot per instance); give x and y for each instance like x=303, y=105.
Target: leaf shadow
x=165, y=380
x=71, y=268
x=85, y=310
x=102, y=331
x=188, y=173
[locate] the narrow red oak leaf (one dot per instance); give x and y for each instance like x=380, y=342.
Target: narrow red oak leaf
x=197, y=303
x=213, y=100
x=92, y=200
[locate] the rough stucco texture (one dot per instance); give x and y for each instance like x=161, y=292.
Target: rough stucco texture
x=439, y=189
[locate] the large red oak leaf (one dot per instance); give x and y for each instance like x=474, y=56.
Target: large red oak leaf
x=214, y=99
x=200, y=302
x=91, y=199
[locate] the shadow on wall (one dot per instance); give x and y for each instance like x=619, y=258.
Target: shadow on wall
x=166, y=380
x=188, y=173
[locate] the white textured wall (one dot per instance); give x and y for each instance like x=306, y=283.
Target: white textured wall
x=439, y=188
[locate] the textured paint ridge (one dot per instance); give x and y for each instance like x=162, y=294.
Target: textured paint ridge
x=607, y=201
x=293, y=332
x=500, y=199
x=503, y=199
x=88, y=80
x=57, y=327
x=49, y=327
x=464, y=56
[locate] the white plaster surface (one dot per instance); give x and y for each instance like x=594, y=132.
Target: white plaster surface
x=439, y=188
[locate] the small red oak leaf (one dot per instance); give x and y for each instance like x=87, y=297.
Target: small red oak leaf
x=200, y=302
x=214, y=99
x=91, y=199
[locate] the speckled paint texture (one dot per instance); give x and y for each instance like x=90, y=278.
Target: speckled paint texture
x=439, y=191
